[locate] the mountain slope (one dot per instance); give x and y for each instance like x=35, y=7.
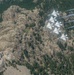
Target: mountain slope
x=24, y=40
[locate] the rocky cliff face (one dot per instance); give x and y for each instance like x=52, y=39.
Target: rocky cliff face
x=24, y=40
x=21, y=31
x=14, y=28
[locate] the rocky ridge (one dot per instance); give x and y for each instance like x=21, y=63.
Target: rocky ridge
x=21, y=31
x=25, y=40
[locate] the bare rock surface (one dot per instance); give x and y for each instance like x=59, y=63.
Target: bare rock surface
x=12, y=31
x=21, y=70
x=21, y=31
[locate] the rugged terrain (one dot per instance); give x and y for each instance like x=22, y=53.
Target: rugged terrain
x=24, y=40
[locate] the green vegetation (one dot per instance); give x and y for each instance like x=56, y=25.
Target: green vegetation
x=28, y=4
x=1, y=73
x=61, y=45
x=36, y=69
x=26, y=30
x=26, y=53
x=72, y=60
x=62, y=5
x=1, y=19
x=63, y=66
x=70, y=48
x=30, y=25
x=37, y=37
x=68, y=25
